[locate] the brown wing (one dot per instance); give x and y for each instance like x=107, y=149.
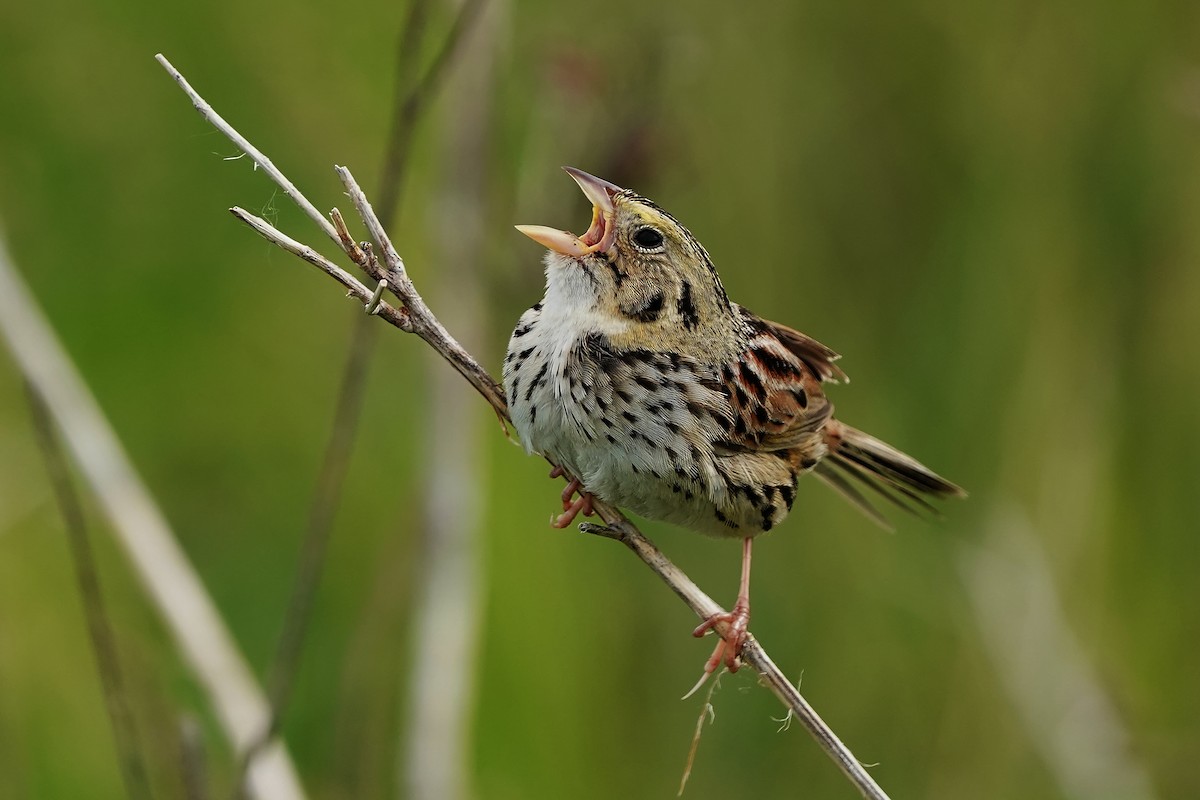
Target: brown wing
x=816, y=356
x=775, y=389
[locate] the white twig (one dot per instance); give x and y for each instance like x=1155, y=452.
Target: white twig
x=423, y=323
x=172, y=584
x=264, y=163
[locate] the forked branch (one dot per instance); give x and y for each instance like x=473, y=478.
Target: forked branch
x=381, y=262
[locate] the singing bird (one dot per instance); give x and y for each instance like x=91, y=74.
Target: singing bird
x=652, y=391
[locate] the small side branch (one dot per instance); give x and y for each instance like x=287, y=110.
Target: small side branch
x=422, y=322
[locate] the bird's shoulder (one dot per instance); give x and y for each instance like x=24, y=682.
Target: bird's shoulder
x=774, y=386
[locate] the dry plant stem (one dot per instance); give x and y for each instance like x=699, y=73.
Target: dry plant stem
x=421, y=321
x=394, y=316
x=104, y=643
x=756, y=657
x=753, y=654
x=256, y=155
x=172, y=585
x=706, y=712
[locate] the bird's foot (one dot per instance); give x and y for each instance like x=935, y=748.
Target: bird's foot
x=572, y=506
x=729, y=649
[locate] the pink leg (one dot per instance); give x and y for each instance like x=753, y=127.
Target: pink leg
x=730, y=646
x=568, y=494
x=571, y=508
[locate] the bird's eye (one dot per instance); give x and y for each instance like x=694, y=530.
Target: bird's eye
x=647, y=238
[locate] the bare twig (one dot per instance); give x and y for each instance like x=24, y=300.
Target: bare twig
x=174, y=588
x=425, y=325
x=104, y=643
x=255, y=154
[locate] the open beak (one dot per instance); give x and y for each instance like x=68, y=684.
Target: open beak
x=599, y=236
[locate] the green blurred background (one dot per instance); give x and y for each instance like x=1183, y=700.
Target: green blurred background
x=993, y=211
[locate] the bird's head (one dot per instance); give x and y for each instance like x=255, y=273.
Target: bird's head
x=636, y=268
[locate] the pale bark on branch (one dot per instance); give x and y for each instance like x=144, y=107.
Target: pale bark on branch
x=381, y=262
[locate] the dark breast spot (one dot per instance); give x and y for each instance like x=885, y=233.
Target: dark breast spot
x=788, y=494
x=724, y=520
x=768, y=515
x=537, y=379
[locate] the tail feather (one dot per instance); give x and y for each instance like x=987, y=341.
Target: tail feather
x=838, y=482
x=895, y=476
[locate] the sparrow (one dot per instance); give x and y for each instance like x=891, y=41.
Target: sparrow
x=651, y=390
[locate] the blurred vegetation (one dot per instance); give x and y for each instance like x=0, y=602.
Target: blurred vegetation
x=992, y=210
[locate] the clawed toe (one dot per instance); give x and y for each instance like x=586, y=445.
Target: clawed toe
x=729, y=649
x=572, y=506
